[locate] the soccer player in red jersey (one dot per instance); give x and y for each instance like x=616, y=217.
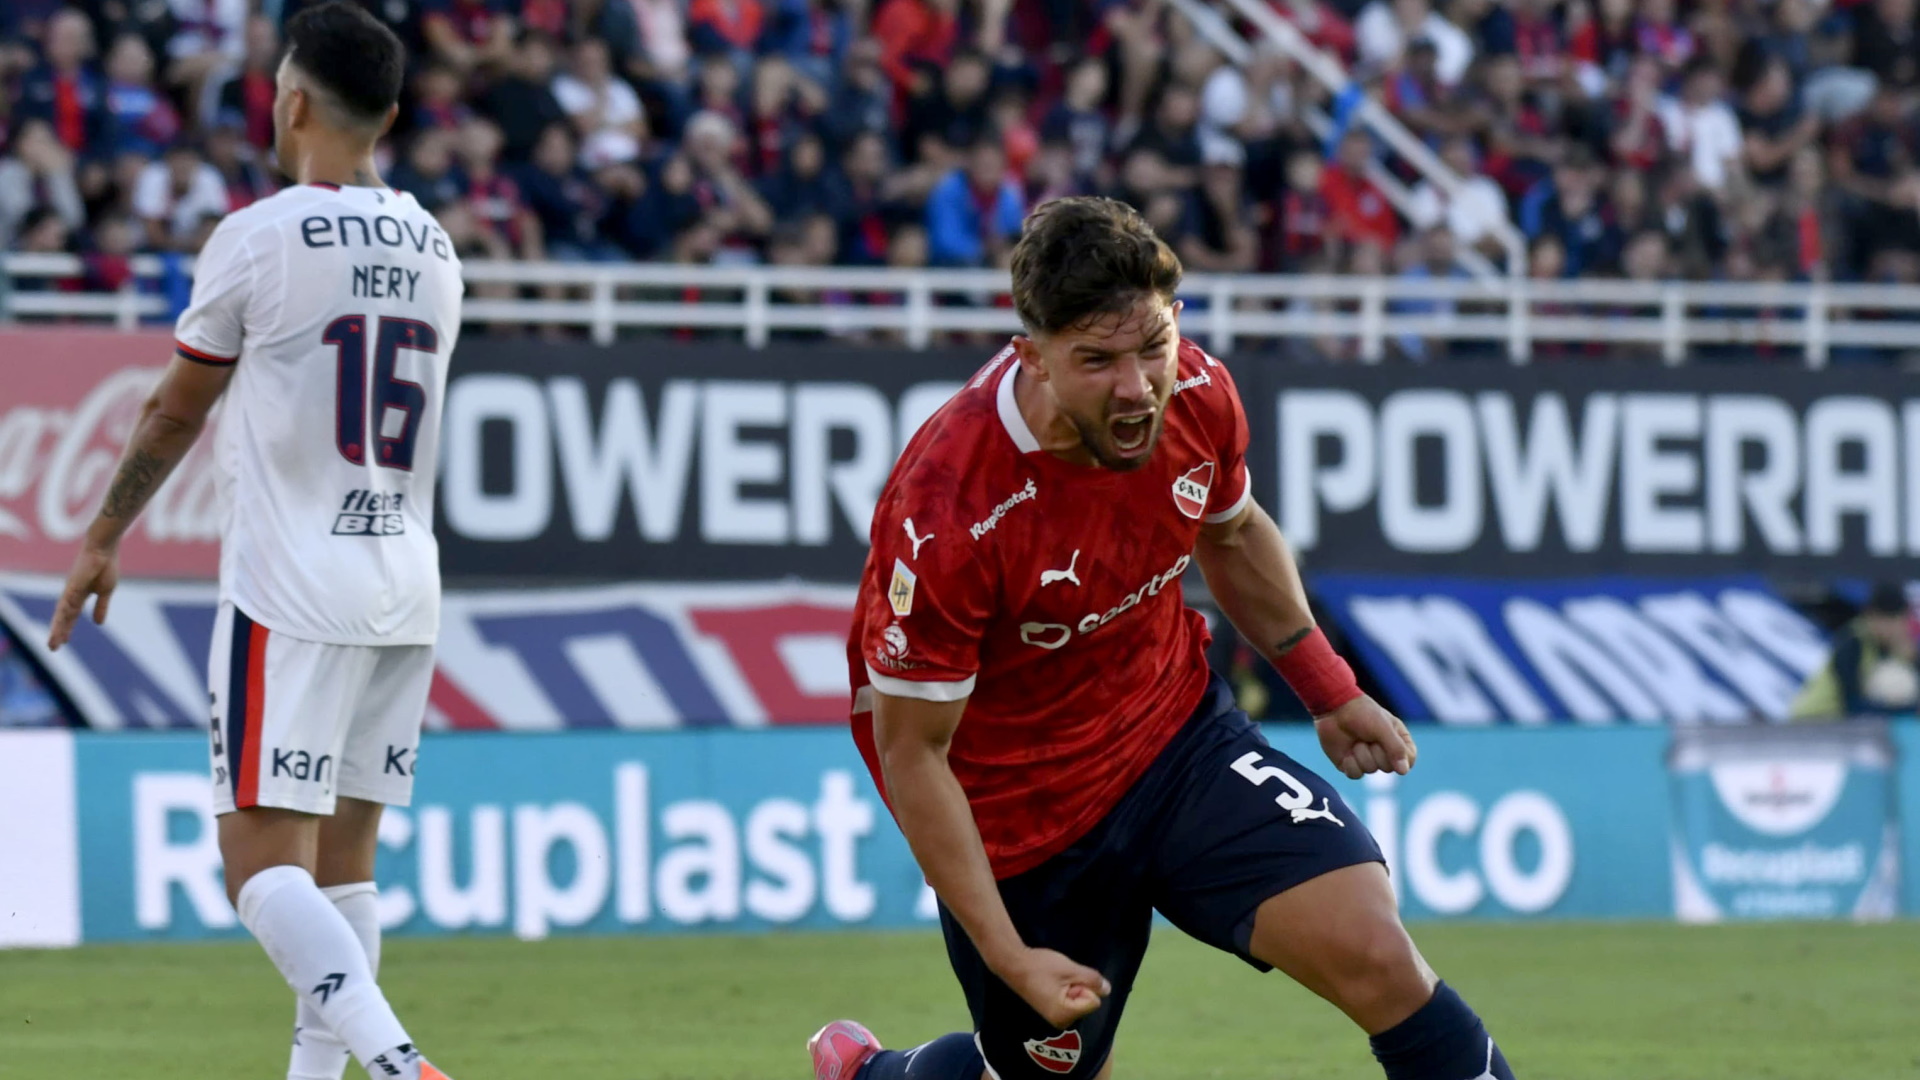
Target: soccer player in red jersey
x=1033, y=698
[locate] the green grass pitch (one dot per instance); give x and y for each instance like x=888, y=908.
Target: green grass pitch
x=1566, y=1001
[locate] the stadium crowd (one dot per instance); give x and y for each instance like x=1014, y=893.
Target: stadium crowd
x=1645, y=139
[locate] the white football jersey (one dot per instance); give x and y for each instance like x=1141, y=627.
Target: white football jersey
x=340, y=307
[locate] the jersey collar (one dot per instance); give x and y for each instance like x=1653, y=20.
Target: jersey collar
x=1010, y=417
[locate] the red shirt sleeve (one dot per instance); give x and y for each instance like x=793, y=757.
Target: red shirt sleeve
x=925, y=604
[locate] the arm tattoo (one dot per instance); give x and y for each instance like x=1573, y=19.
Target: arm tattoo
x=134, y=485
x=1295, y=638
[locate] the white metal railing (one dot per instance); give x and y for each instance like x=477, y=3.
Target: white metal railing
x=1518, y=315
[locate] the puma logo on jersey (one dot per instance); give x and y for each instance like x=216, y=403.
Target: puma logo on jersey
x=1303, y=814
x=1049, y=577
x=916, y=540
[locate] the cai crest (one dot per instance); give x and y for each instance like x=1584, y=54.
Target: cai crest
x=1058, y=1054
x=900, y=593
x=1190, y=490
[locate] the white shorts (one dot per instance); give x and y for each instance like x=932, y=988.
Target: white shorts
x=297, y=724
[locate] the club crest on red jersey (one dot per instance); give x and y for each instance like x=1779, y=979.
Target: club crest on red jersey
x=1190, y=490
x=1058, y=1054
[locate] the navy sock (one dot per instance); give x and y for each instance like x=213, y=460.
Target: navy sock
x=1445, y=1040
x=949, y=1057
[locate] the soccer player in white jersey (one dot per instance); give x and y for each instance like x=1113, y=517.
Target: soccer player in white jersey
x=325, y=315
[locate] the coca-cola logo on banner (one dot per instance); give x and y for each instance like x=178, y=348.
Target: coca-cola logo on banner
x=71, y=403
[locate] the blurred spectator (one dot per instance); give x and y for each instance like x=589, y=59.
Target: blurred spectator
x=783, y=105
x=799, y=186
x=1174, y=135
x=38, y=175
x=725, y=27
x=1701, y=128
x=207, y=37
x=248, y=92
x=1417, y=96
x=1603, y=41
x=1217, y=233
x=1303, y=218
x=1357, y=211
x=1774, y=124
x=1886, y=41
x=492, y=197
x=235, y=159
x=1079, y=120
x=1514, y=124
x=65, y=91
x=440, y=104
x=42, y=232
x=605, y=110
x=428, y=173
x=869, y=198
x=144, y=121
x=1474, y=213
x=862, y=102
x=1656, y=34
x=1567, y=205
x=915, y=36
x=951, y=113
x=727, y=201
x=468, y=35
x=974, y=215
x=1435, y=261
x=1871, y=671
x=1386, y=27
x=523, y=102
x=567, y=202
x=174, y=195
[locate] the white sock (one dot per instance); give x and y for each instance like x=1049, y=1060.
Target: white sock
x=317, y=1053
x=322, y=958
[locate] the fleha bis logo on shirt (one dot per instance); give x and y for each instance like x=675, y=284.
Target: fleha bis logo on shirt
x=900, y=593
x=1190, y=490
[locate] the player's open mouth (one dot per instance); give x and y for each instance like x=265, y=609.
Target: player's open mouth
x=1131, y=433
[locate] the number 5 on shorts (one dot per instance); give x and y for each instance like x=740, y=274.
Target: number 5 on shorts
x=1295, y=797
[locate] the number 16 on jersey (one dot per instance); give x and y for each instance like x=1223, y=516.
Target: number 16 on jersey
x=390, y=394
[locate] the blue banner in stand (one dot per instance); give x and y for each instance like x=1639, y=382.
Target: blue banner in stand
x=1470, y=651
x=1793, y=823
x=676, y=832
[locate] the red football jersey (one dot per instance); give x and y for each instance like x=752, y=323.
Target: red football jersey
x=1048, y=595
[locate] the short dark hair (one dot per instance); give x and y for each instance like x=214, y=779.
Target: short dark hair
x=1086, y=256
x=352, y=55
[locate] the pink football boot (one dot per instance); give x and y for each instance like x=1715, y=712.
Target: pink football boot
x=840, y=1048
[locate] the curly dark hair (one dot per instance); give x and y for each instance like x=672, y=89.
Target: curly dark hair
x=351, y=54
x=1083, y=257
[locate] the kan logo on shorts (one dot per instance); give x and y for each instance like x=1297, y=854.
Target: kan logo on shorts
x=1190, y=490
x=1058, y=1054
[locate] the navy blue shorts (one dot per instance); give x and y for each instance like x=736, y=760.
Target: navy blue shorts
x=1219, y=823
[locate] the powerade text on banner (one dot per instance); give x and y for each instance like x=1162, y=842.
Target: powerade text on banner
x=1563, y=469
x=718, y=462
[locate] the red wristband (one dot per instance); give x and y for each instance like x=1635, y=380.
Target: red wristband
x=1323, y=681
